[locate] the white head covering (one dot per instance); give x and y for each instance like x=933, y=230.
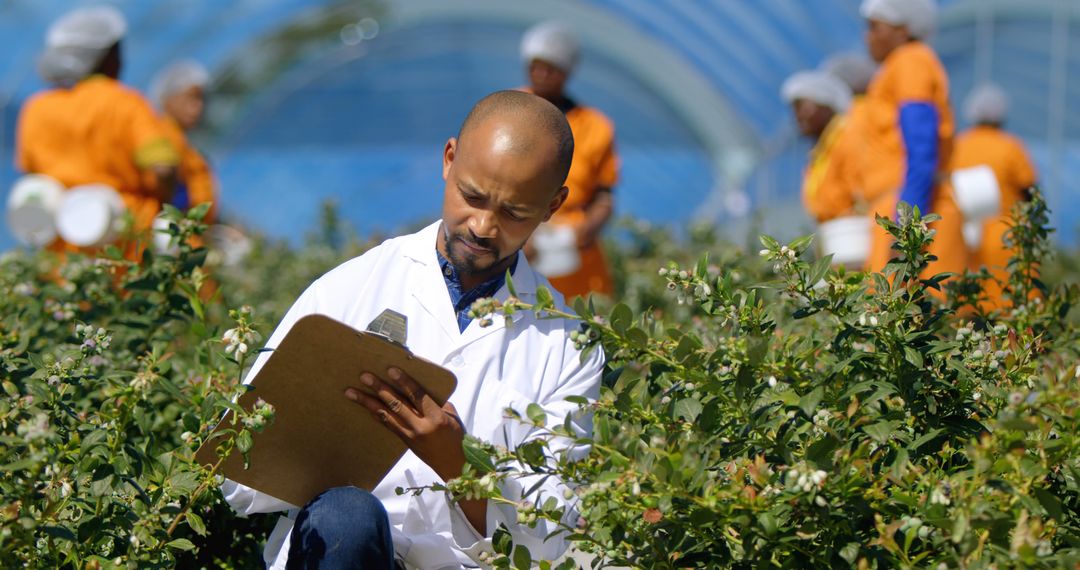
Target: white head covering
x=819, y=87
x=920, y=16
x=178, y=76
x=854, y=69
x=551, y=42
x=987, y=103
x=76, y=43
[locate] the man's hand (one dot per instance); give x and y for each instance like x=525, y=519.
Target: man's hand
x=434, y=433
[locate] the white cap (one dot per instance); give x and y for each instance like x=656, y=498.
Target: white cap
x=76, y=43
x=987, y=103
x=177, y=77
x=854, y=69
x=819, y=87
x=919, y=16
x=551, y=42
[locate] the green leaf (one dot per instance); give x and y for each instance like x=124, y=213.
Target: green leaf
x=913, y=356
x=522, y=558
x=544, y=300
x=196, y=523
x=881, y=432
x=243, y=441
x=768, y=524
x=532, y=453
x=181, y=544
x=501, y=541
x=809, y=402
x=850, y=552
x=536, y=414
x=1051, y=503
x=688, y=409
x=621, y=318
x=477, y=455
x=60, y=532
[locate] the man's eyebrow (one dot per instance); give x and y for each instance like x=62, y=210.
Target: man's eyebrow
x=466, y=187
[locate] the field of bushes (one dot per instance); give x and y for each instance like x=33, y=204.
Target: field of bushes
x=761, y=409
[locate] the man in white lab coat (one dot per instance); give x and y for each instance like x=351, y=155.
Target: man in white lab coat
x=504, y=175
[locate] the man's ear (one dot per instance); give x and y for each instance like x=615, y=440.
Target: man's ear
x=557, y=202
x=448, y=156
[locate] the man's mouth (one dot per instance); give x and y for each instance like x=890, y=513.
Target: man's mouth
x=475, y=247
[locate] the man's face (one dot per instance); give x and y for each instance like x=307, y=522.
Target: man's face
x=495, y=196
x=882, y=38
x=186, y=106
x=811, y=117
x=546, y=80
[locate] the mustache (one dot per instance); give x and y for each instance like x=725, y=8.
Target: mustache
x=470, y=237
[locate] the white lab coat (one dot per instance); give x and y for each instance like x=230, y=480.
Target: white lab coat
x=508, y=364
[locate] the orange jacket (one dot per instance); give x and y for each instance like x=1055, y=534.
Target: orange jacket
x=595, y=165
x=911, y=73
x=194, y=172
x=830, y=181
x=98, y=131
x=1006, y=156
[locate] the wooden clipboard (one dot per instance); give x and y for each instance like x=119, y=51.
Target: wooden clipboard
x=319, y=439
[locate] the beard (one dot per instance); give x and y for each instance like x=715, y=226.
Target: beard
x=466, y=262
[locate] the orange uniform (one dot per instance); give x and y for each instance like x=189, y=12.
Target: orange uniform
x=98, y=131
x=910, y=74
x=194, y=173
x=831, y=179
x=595, y=165
x=1005, y=155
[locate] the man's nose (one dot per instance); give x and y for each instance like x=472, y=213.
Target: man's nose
x=484, y=224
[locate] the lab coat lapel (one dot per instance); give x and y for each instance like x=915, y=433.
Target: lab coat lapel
x=429, y=289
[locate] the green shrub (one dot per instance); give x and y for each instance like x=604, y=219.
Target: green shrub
x=758, y=411
x=112, y=373
x=823, y=419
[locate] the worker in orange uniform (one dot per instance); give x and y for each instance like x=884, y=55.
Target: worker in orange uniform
x=179, y=92
x=551, y=52
x=986, y=143
x=89, y=128
x=830, y=181
x=907, y=130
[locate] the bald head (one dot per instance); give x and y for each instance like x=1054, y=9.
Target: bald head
x=527, y=124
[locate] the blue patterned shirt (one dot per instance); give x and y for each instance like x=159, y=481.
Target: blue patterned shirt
x=463, y=300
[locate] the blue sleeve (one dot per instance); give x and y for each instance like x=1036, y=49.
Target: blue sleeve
x=919, y=128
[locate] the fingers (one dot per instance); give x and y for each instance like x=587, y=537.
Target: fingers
x=381, y=411
x=412, y=390
x=389, y=394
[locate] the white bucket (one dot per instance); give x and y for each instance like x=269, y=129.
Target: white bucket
x=231, y=244
x=90, y=215
x=847, y=239
x=556, y=250
x=31, y=207
x=977, y=192
x=163, y=241
x=973, y=233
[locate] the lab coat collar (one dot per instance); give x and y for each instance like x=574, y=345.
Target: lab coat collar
x=432, y=294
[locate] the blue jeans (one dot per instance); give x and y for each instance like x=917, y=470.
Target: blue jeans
x=344, y=527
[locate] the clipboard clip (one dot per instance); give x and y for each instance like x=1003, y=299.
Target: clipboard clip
x=390, y=325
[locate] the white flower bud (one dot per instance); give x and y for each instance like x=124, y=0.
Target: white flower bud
x=772, y=381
